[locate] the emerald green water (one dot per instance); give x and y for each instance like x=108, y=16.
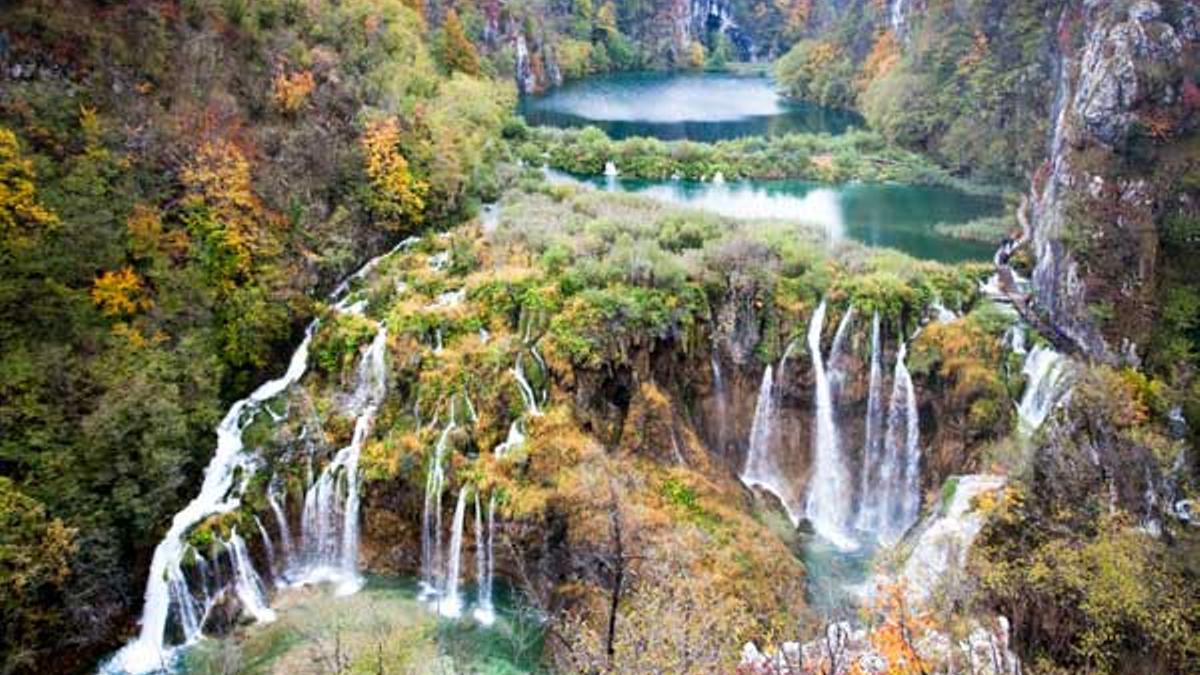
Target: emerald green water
x=674, y=106
x=885, y=215
x=384, y=623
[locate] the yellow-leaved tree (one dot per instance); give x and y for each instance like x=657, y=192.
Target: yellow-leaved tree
x=396, y=195
x=225, y=214
x=23, y=220
x=120, y=293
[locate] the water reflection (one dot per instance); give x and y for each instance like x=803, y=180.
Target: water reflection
x=701, y=107
x=885, y=215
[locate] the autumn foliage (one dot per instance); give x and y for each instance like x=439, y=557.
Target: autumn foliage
x=457, y=50
x=22, y=217
x=120, y=293
x=291, y=91
x=396, y=196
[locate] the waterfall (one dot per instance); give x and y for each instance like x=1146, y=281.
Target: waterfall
x=872, y=453
x=900, y=472
x=331, y=505
x=267, y=544
x=720, y=394
x=246, y=584
x=431, y=517
x=761, y=470
x=610, y=169
x=837, y=353
x=450, y=605
x=1045, y=373
x=218, y=494
x=484, y=563
x=281, y=521
x=514, y=439
x=526, y=391
x=897, y=16
x=190, y=616
x=828, y=503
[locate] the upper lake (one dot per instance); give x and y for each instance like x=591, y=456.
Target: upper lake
x=673, y=106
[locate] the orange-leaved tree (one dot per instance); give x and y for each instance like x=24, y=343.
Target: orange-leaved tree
x=457, y=50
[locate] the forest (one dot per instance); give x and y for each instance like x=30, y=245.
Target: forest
x=294, y=298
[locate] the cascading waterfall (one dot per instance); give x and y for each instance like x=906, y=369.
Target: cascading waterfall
x=829, y=495
x=166, y=586
x=720, y=395
x=1046, y=375
x=484, y=564
x=450, y=604
x=761, y=470
x=329, y=527
x=837, y=353
x=527, y=395
x=900, y=472
x=246, y=583
x=431, y=517
x=872, y=454
x=267, y=544
x=897, y=17
x=218, y=494
x=281, y=521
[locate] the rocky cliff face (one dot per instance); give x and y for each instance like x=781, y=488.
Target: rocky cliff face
x=1096, y=203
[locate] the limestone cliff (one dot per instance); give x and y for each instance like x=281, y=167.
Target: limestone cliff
x=1098, y=200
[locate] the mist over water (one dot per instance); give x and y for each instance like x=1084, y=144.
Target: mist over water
x=700, y=107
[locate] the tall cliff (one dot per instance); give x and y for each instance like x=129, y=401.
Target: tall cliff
x=1117, y=173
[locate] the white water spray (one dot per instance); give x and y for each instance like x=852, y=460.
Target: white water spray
x=760, y=469
x=829, y=494
x=451, y=604
x=872, y=454
x=331, y=505
x=1046, y=374
x=900, y=472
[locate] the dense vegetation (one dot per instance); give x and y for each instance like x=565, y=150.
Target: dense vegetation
x=176, y=181
x=612, y=294
x=181, y=182
x=967, y=82
x=853, y=156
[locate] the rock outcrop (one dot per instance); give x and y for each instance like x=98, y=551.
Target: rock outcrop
x=1094, y=209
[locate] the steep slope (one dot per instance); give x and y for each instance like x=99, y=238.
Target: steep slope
x=177, y=181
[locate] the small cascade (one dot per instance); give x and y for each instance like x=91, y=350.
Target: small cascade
x=191, y=615
x=1045, y=381
x=484, y=613
x=837, y=353
x=872, y=454
x=527, y=394
x=281, y=520
x=828, y=503
x=941, y=314
x=267, y=544
x=331, y=505
x=900, y=473
x=431, y=518
x=720, y=395
x=761, y=470
x=610, y=176
x=246, y=583
x=450, y=604
x=514, y=440
x=897, y=17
